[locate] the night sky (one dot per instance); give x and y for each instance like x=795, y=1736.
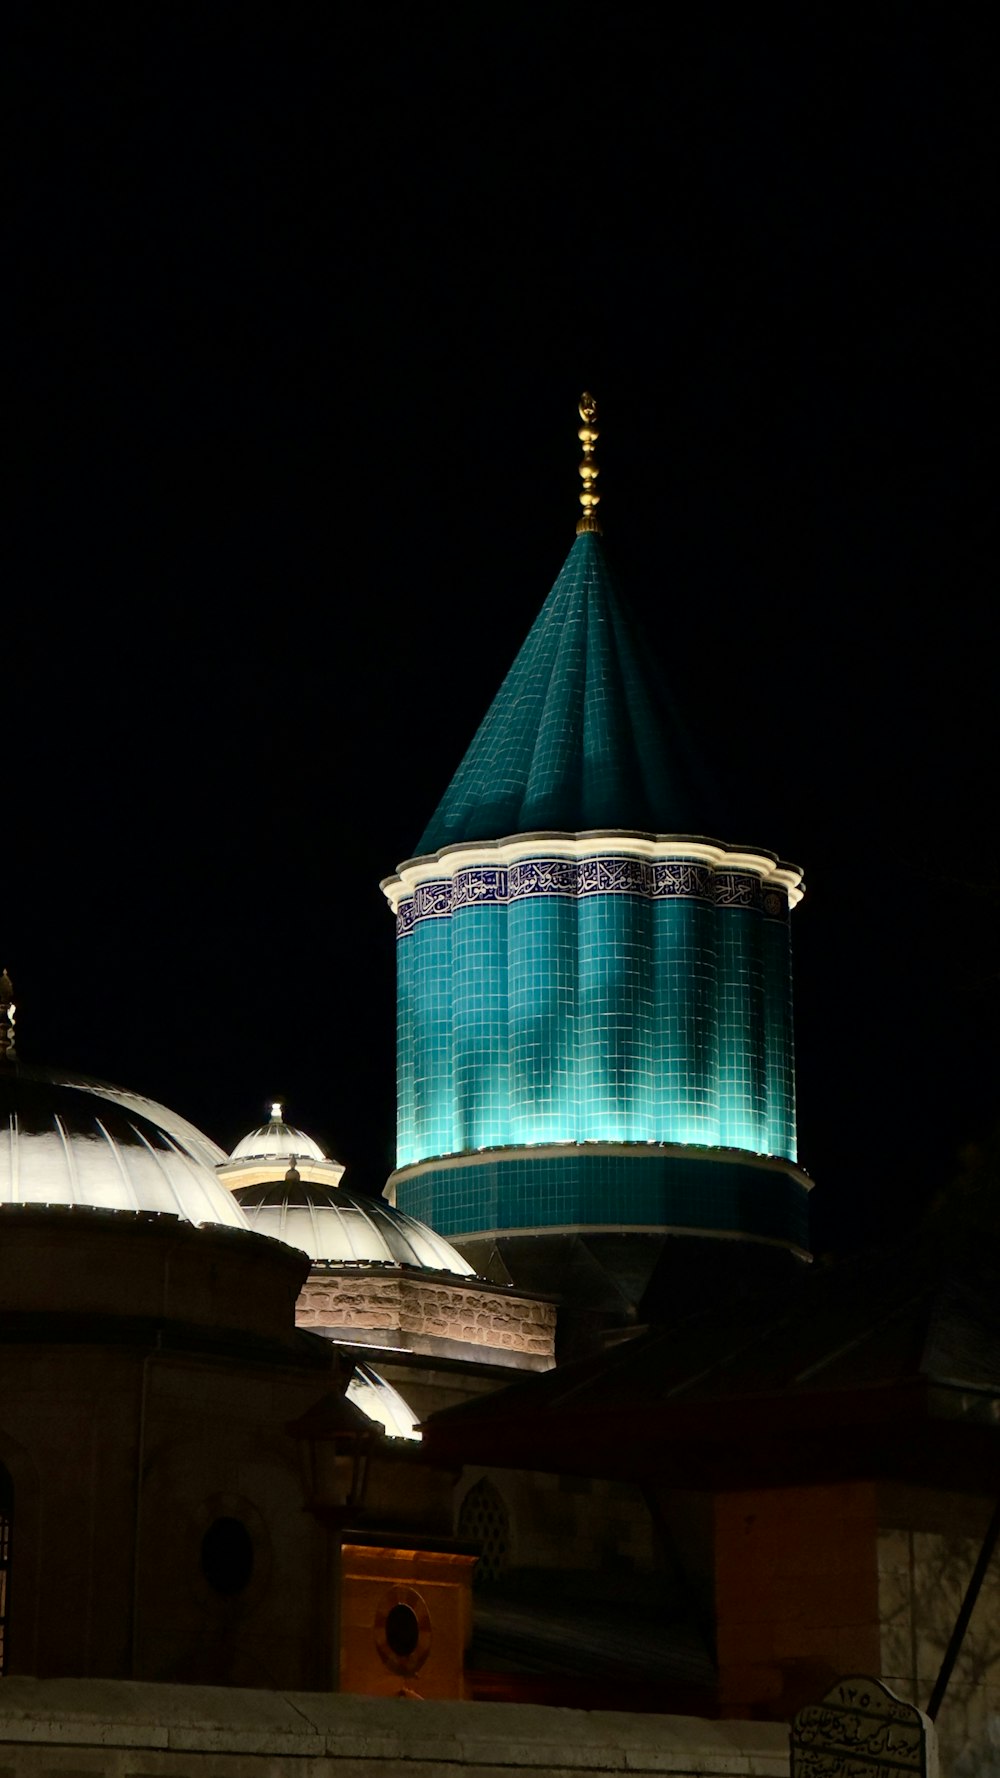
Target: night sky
x=306, y=296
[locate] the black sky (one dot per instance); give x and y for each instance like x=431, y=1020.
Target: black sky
x=305, y=298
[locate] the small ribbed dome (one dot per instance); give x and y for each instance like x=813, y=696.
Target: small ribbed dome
x=382, y=1403
x=265, y=1155
x=343, y=1228
x=65, y=1139
x=277, y=1140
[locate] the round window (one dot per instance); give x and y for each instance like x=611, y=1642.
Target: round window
x=403, y=1630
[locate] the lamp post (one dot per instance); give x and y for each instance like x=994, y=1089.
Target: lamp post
x=335, y=1441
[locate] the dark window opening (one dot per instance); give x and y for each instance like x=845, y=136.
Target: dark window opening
x=227, y=1556
x=483, y=1520
x=402, y=1628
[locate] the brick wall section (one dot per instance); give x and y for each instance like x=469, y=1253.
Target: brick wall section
x=407, y=1303
x=797, y=1594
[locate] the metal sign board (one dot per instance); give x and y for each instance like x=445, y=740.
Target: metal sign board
x=862, y=1730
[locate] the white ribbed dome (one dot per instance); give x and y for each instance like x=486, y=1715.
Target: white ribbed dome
x=65, y=1139
x=343, y=1228
x=277, y=1141
x=382, y=1403
x=266, y=1154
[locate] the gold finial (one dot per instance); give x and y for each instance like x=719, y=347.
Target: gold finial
x=7, y=1010
x=588, y=435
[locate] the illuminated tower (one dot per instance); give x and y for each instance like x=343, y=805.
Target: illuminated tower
x=594, y=1000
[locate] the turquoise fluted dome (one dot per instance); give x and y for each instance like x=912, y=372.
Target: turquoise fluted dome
x=581, y=733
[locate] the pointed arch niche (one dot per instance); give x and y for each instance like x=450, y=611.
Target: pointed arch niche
x=484, y=1519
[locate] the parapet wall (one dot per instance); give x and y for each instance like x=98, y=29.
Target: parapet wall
x=422, y=1312
x=65, y=1728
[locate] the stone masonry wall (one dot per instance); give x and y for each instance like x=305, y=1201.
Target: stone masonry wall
x=406, y=1303
x=925, y=1560
x=115, y=1729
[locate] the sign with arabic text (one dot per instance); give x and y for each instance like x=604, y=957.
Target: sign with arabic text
x=861, y=1730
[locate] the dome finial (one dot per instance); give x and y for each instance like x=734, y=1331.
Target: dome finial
x=588, y=436
x=277, y=1111
x=7, y=1012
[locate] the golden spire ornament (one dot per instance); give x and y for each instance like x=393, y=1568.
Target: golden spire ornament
x=588, y=435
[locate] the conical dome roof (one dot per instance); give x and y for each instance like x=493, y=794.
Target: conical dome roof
x=581, y=734
x=65, y=1139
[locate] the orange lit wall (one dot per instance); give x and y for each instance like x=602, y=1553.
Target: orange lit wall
x=434, y=1588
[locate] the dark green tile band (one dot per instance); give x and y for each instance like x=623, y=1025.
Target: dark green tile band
x=647, y=1189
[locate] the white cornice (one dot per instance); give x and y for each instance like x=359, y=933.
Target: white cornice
x=445, y=864
x=264, y=1170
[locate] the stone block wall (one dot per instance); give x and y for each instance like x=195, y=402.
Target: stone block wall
x=107, y=1729
x=927, y=1548
x=428, y=1310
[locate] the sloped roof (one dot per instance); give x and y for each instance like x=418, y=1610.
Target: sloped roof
x=580, y=735
x=852, y=1352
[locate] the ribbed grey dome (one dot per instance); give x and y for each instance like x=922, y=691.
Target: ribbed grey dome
x=65, y=1139
x=339, y=1227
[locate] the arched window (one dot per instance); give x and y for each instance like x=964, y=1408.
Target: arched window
x=6, y=1519
x=483, y=1519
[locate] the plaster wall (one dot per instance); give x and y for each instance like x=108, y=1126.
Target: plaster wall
x=68, y=1438
x=426, y=1387
x=114, y=1451
x=436, y=1586
x=62, y=1260
x=796, y=1593
x=569, y=1522
x=148, y=1373
x=216, y=1447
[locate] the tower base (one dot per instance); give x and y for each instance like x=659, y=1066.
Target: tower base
x=608, y=1188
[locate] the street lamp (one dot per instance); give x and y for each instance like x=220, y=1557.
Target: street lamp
x=335, y=1441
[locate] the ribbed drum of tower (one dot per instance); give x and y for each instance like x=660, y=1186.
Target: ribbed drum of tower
x=573, y=988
